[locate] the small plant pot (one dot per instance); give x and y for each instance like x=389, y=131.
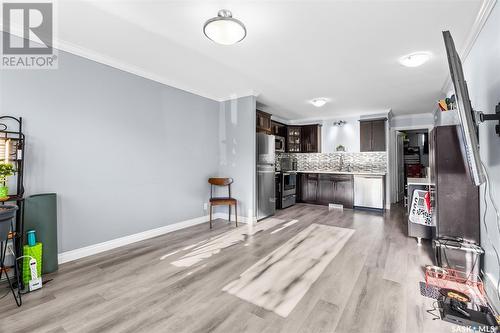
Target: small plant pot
x=4, y=191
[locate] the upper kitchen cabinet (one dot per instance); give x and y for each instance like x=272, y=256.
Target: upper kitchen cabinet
x=263, y=122
x=278, y=128
x=293, y=139
x=311, y=139
x=372, y=135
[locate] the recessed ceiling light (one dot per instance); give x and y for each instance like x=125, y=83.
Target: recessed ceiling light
x=224, y=29
x=415, y=59
x=319, y=102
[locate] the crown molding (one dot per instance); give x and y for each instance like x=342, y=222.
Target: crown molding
x=481, y=18
x=359, y=115
x=126, y=67
x=239, y=95
x=413, y=115
x=68, y=47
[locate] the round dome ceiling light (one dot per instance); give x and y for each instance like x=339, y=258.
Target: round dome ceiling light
x=319, y=102
x=415, y=59
x=224, y=29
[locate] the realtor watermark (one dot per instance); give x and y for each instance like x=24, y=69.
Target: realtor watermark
x=473, y=329
x=28, y=34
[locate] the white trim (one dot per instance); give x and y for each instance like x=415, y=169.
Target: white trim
x=126, y=67
x=481, y=18
x=86, y=251
x=412, y=127
x=79, y=51
x=240, y=95
x=364, y=115
x=242, y=219
x=280, y=119
x=411, y=115
x=393, y=158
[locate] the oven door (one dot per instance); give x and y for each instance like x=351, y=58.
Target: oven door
x=289, y=183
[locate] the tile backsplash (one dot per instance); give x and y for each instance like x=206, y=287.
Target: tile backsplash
x=358, y=162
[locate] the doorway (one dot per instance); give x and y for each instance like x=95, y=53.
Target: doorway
x=412, y=158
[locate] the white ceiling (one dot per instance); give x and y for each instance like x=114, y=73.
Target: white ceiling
x=295, y=50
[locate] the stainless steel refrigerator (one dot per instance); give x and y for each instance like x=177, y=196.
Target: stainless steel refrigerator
x=266, y=201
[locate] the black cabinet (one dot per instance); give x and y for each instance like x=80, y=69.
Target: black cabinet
x=457, y=209
x=293, y=139
x=278, y=128
x=372, y=135
x=303, y=139
x=311, y=138
x=263, y=122
x=324, y=189
x=344, y=191
x=309, y=187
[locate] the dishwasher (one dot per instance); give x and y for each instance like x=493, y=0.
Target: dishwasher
x=369, y=191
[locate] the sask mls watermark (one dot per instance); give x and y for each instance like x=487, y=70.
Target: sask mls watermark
x=28, y=32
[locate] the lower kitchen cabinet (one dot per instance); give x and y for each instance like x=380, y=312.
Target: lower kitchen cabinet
x=344, y=191
x=324, y=189
x=309, y=187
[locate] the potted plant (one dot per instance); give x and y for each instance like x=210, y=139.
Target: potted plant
x=6, y=170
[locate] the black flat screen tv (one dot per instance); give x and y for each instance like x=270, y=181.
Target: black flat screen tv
x=468, y=126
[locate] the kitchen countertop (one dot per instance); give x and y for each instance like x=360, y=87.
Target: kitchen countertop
x=344, y=172
x=418, y=181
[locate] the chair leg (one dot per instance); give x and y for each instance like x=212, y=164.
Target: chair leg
x=210, y=216
x=236, y=212
x=229, y=213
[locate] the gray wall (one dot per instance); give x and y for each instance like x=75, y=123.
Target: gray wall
x=237, y=151
x=125, y=154
x=482, y=71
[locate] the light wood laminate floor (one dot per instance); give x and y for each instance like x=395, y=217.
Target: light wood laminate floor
x=174, y=283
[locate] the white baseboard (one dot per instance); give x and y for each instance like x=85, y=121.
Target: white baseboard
x=242, y=219
x=122, y=241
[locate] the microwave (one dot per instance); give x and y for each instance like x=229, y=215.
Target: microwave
x=279, y=144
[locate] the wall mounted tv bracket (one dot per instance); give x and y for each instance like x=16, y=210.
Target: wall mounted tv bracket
x=482, y=117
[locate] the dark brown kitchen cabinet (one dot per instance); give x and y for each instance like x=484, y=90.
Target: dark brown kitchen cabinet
x=293, y=139
x=344, y=191
x=278, y=128
x=372, y=135
x=457, y=208
x=324, y=189
x=309, y=187
x=311, y=139
x=263, y=122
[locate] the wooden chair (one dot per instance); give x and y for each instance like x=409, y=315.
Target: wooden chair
x=219, y=201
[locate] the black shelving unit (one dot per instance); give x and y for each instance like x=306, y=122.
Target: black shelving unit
x=11, y=129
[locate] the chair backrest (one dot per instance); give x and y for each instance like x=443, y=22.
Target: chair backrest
x=220, y=182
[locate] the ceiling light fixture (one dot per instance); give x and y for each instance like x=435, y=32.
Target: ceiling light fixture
x=224, y=29
x=340, y=123
x=319, y=102
x=415, y=59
